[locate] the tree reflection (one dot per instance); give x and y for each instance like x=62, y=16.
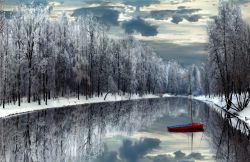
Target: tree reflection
x=72, y=134
x=229, y=143
x=77, y=133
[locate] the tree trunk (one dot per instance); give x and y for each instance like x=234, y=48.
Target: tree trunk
x=78, y=91
x=19, y=86
x=29, y=86
x=98, y=86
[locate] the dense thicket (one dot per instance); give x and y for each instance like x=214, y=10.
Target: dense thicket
x=229, y=56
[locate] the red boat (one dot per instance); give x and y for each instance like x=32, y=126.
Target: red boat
x=192, y=127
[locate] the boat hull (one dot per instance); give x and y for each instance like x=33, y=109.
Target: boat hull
x=192, y=127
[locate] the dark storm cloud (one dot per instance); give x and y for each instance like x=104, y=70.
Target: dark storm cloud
x=185, y=55
x=103, y=13
x=133, y=152
x=177, y=15
x=140, y=26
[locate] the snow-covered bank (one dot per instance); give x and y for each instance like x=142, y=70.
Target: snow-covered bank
x=218, y=103
x=11, y=109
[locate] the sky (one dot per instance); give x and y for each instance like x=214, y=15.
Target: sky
x=175, y=29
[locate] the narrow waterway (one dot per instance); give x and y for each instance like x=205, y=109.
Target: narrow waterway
x=128, y=131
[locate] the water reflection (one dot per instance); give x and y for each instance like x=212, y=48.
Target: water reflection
x=130, y=131
x=230, y=144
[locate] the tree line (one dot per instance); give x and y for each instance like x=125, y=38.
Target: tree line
x=43, y=59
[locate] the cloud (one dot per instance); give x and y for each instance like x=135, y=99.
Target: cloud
x=192, y=18
x=135, y=151
x=140, y=26
x=164, y=158
x=179, y=155
x=132, y=152
x=103, y=14
x=162, y=14
x=176, y=19
x=141, y=3
x=186, y=11
x=177, y=15
x=196, y=156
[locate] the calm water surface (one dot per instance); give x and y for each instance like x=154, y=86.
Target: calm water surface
x=130, y=131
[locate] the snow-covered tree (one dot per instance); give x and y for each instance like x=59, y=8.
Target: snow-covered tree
x=229, y=57
x=43, y=58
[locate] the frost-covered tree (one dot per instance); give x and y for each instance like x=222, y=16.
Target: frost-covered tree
x=229, y=57
x=42, y=59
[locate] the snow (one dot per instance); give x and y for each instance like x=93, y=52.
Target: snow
x=13, y=109
x=219, y=103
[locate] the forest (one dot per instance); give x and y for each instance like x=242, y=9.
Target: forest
x=43, y=59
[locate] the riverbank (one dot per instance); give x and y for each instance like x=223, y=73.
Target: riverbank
x=219, y=104
x=14, y=109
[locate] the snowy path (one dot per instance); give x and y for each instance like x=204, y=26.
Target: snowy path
x=12, y=110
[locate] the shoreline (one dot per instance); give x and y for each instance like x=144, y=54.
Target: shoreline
x=12, y=110
x=238, y=120
x=215, y=103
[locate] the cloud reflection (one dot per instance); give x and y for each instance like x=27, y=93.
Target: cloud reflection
x=132, y=152
x=179, y=156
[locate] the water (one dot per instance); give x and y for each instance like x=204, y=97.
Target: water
x=131, y=131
